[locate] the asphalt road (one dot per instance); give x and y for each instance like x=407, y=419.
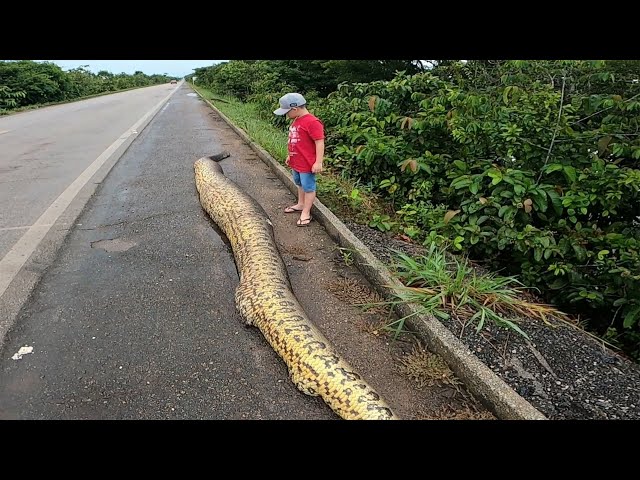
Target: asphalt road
x=132, y=317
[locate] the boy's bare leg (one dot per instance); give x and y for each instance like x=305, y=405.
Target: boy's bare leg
x=309, y=198
x=298, y=206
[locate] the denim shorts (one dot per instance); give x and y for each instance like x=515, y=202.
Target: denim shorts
x=305, y=180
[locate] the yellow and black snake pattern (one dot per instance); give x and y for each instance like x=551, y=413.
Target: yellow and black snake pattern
x=265, y=299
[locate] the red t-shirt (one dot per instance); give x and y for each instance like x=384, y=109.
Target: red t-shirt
x=303, y=132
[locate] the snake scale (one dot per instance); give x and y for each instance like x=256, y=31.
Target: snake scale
x=265, y=300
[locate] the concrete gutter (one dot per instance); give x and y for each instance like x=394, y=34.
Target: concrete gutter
x=488, y=387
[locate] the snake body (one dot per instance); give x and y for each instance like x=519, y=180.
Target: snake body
x=265, y=300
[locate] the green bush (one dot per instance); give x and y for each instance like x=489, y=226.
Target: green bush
x=536, y=163
x=531, y=166
x=27, y=83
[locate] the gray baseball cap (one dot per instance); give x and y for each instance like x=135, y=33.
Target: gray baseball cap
x=288, y=101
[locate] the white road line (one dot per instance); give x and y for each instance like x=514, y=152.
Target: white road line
x=20, y=228
x=4, y=131
x=13, y=261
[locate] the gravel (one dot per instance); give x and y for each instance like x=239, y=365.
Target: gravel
x=562, y=371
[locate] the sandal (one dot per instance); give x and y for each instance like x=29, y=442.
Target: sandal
x=303, y=222
x=292, y=209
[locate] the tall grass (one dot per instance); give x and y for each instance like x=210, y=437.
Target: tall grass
x=246, y=116
x=444, y=285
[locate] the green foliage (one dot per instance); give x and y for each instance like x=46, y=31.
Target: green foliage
x=245, y=115
x=42, y=82
x=243, y=78
x=235, y=78
x=347, y=256
x=27, y=83
x=264, y=81
x=9, y=98
x=350, y=200
x=382, y=222
x=532, y=166
x=365, y=71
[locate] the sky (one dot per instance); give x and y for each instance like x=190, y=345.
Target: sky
x=173, y=68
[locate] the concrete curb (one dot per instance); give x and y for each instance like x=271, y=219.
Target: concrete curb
x=488, y=387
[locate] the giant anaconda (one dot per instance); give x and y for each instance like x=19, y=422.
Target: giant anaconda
x=265, y=299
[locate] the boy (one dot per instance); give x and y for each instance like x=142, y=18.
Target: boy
x=306, y=152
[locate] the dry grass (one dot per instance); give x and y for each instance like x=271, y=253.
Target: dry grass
x=465, y=413
x=352, y=292
x=427, y=369
x=292, y=249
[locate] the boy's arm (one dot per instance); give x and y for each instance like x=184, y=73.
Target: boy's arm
x=317, y=167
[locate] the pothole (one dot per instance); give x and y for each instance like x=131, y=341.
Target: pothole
x=113, y=245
